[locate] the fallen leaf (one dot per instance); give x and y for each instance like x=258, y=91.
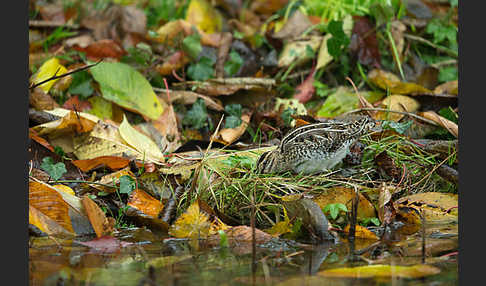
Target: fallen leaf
x=64, y=188
x=450, y=87
x=361, y=232
x=100, y=223
x=73, y=103
x=452, y=127
x=229, y=135
x=397, y=102
x=204, y=16
x=145, y=203
x=46, y=200
x=305, y=90
x=363, y=43
x=126, y=87
x=296, y=52
x=388, y=81
x=47, y=70
x=343, y=195
x=294, y=26
x=344, y=100
x=112, y=179
x=105, y=244
x=389, y=271
x=139, y=141
x=40, y=100
x=106, y=48
x=112, y=162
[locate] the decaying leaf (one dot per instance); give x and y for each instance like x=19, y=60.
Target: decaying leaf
x=230, y=135
x=394, y=85
x=112, y=162
x=437, y=207
x=294, y=26
x=452, y=127
x=344, y=100
x=397, y=102
x=139, y=141
x=204, y=16
x=48, y=69
x=297, y=51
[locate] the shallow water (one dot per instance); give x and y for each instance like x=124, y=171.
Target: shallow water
x=278, y=262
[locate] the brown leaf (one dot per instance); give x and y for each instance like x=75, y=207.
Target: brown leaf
x=133, y=20
x=40, y=100
x=73, y=103
x=294, y=26
x=446, y=123
x=112, y=162
x=50, y=203
x=450, y=87
x=33, y=135
x=364, y=43
x=386, y=164
x=145, y=203
x=389, y=81
x=230, y=135
x=105, y=48
x=100, y=223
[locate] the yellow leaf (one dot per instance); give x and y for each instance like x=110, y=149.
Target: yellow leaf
x=65, y=189
x=203, y=15
x=397, y=102
x=191, y=224
x=415, y=271
x=362, y=232
x=139, y=141
x=391, y=82
x=48, y=69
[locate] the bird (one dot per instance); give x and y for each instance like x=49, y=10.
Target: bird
x=314, y=148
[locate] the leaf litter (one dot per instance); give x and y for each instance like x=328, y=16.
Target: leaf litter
x=225, y=83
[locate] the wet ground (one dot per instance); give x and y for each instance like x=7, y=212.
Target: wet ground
x=139, y=257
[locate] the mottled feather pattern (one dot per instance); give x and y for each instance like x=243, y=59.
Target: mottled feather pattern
x=321, y=146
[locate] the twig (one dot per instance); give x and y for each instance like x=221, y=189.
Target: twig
x=51, y=24
x=393, y=111
x=64, y=74
x=435, y=168
x=427, y=42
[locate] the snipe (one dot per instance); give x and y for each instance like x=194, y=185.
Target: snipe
x=314, y=148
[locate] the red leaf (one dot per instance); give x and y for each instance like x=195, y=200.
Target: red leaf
x=306, y=89
x=73, y=103
x=102, y=49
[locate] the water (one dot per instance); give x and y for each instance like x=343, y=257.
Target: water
x=152, y=260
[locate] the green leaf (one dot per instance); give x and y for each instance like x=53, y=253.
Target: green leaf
x=192, y=45
x=81, y=85
x=128, y=88
x=441, y=31
x=334, y=209
x=339, y=40
x=399, y=127
x=201, y=70
x=127, y=184
x=232, y=122
x=322, y=90
x=375, y=221
x=234, y=118
x=447, y=74
x=448, y=113
x=234, y=63
x=197, y=116
x=54, y=170
x=286, y=115
x=233, y=109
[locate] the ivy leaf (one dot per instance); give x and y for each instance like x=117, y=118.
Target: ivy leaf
x=286, y=115
x=232, y=66
x=197, y=116
x=54, y=170
x=201, y=70
x=398, y=127
x=339, y=39
x=334, y=209
x=192, y=45
x=81, y=85
x=127, y=184
x=234, y=118
x=441, y=31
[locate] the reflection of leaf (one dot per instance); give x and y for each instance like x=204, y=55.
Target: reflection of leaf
x=202, y=70
x=197, y=116
x=54, y=170
x=127, y=87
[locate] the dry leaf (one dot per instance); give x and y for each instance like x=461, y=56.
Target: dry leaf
x=446, y=123
x=100, y=223
x=112, y=162
x=145, y=203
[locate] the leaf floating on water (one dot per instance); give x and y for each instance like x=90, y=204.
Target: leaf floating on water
x=388, y=271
